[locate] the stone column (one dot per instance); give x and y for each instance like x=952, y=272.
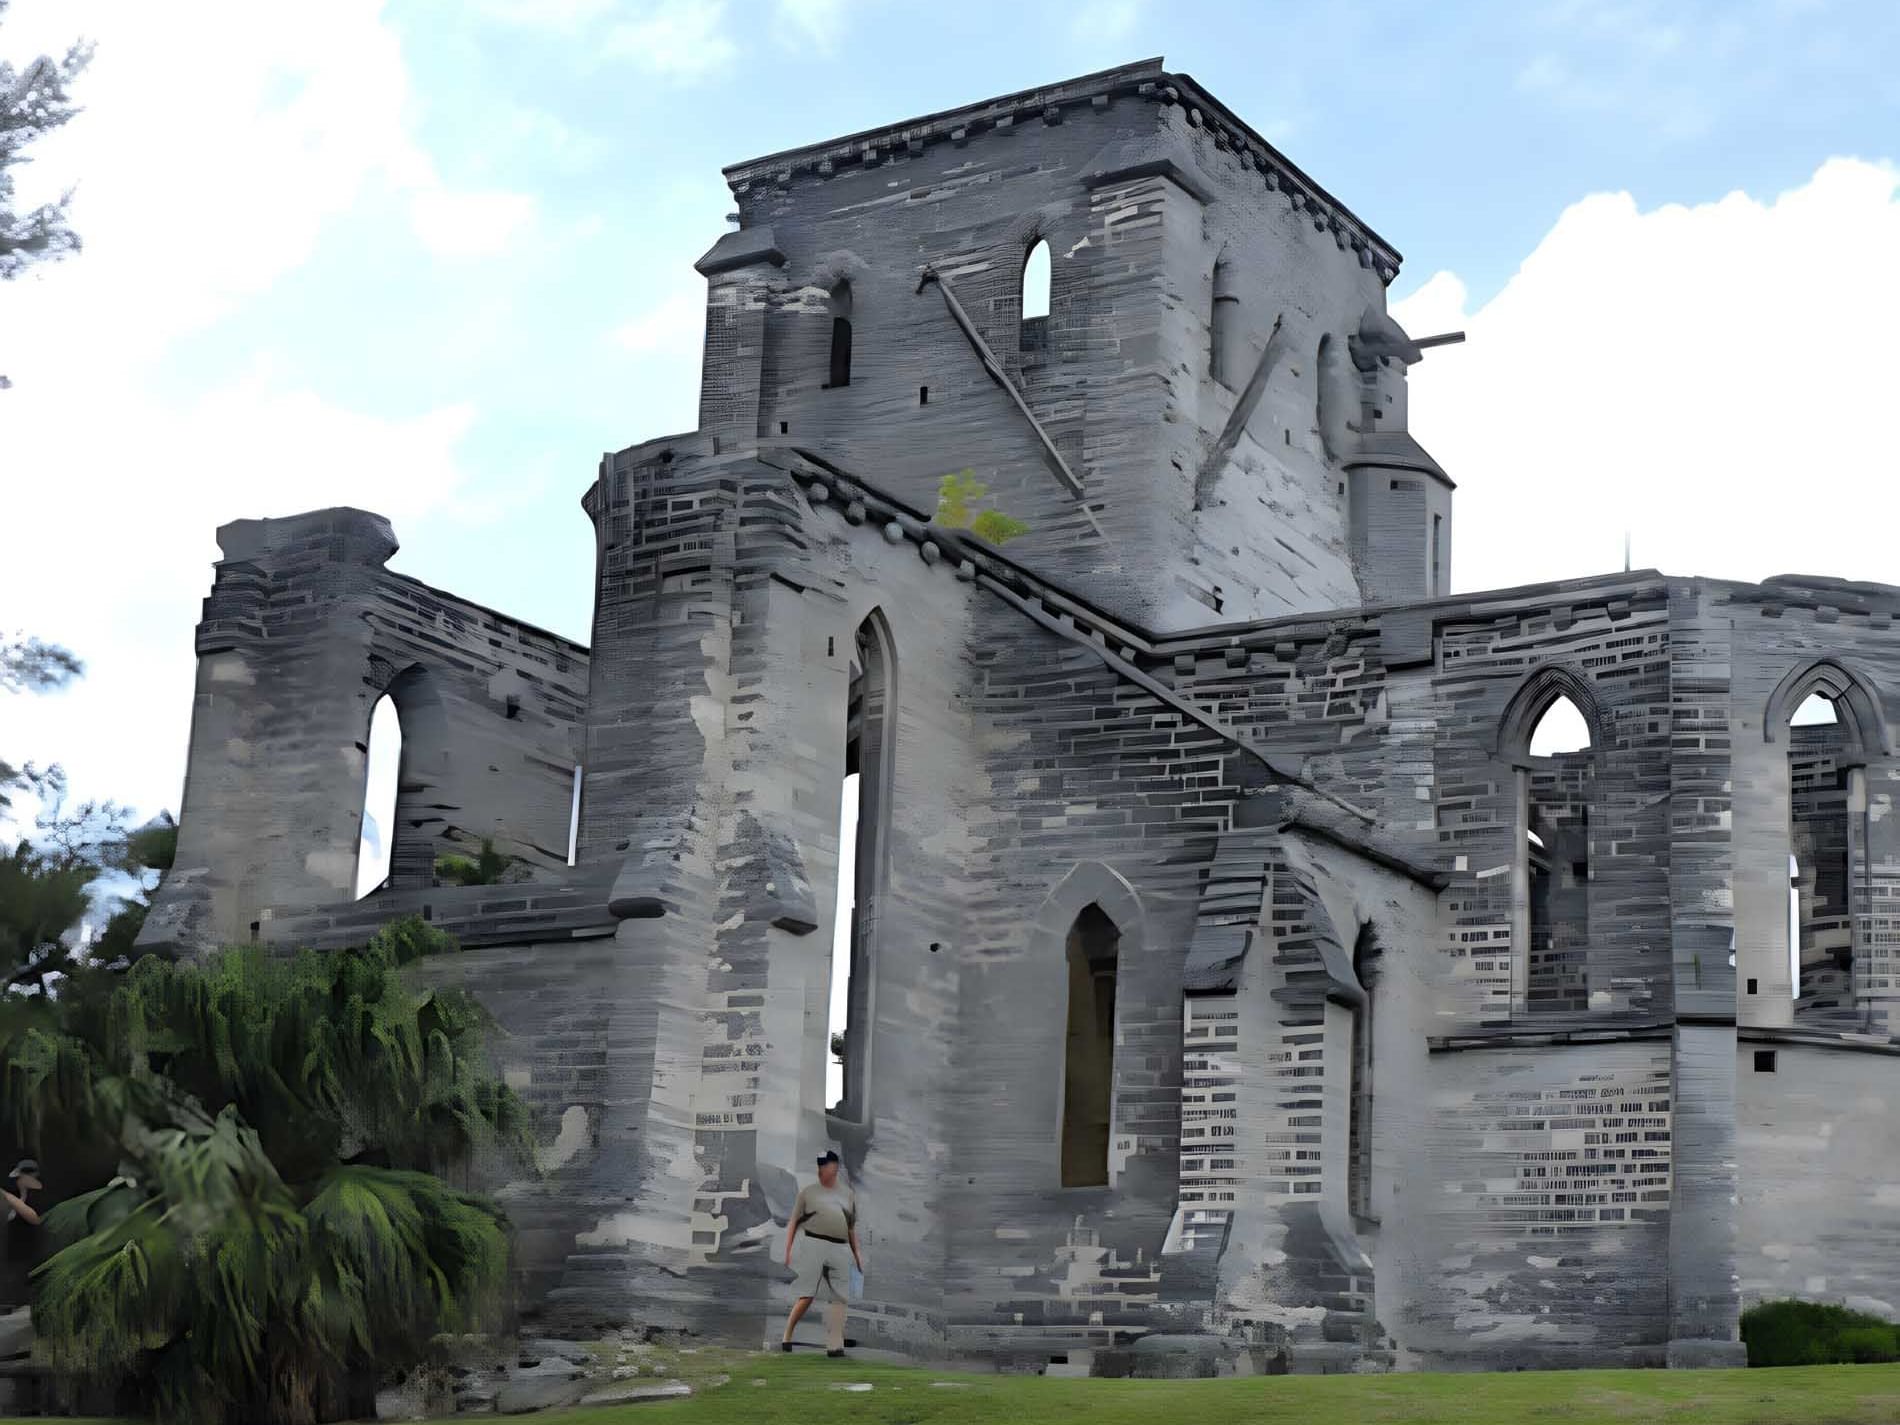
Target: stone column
x=274, y=780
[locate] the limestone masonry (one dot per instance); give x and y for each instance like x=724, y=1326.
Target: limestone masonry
x=1231, y=984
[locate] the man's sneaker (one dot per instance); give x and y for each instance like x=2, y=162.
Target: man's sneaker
x=835, y=1355
x=786, y=1347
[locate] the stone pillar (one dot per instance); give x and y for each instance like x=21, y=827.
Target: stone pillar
x=274, y=780
x=738, y=272
x=1704, y=1298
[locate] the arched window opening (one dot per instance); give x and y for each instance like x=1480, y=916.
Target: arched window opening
x=1365, y=961
x=1816, y=710
x=1226, y=354
x=862, y=811
x=1035, y=295
x=376, y=840
x=1088, y=1077
x=843, y=926
x=1556, y=786
x=840, y=374
x=1820, y=919
x=1560, y=730
x=1558, y=851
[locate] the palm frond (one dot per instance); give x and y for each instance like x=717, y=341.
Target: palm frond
x=275, y=1230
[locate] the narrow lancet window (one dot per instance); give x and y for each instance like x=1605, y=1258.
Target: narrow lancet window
x=1088, y=1080
x=864, y=799
x=1035, y=295
x=1365, y=957
x=1226, y=360
x=1557, y=785
x=838, y=1014
x=376, y=840
x=840, y=373
x=1821, y=927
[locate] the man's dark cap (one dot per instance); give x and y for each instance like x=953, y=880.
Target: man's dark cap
x=26, y=1167
x=827, y=1157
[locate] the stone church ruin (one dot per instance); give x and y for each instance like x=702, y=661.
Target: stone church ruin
x=1230, y=977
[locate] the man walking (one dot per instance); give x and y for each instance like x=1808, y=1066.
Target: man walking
x=827, y=1211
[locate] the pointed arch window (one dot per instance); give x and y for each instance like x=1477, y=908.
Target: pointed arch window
x=1550, y=740
x=1035, y=296
x=1226, y=354
x=1088, y=1065
x=1820, y=856
x=1832, y=721
x=1365, y=960
x=376, y=835
x=864, y=808
x=840, y=305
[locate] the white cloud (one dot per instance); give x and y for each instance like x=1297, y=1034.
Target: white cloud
x=662, y=347
x=469, y=223
x=816, y=24
x=682, y=40
x=675, y=39
x=547, y=139
x=123, y=508
x=546, y=14
x=217, y=144
x=675, y=326
x=213, y=147
x=1712, y=379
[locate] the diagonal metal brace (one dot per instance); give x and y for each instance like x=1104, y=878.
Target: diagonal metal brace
x=1051, y=456
x=1238, y=417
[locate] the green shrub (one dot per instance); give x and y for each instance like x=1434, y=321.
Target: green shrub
x=957, y=497
x=1813, y=1333
x=1868, y=1344
x=488, y=868
x=275, y=1240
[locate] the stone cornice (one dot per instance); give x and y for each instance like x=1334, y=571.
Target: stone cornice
x=1146, y=79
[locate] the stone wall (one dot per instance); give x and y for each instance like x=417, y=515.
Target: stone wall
x=303, y=632
x=1818, y=1174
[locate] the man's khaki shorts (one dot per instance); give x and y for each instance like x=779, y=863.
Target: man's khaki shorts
x=824, y=1268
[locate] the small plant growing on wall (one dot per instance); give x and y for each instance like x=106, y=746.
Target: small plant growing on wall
x=487, y=868
x=957, y=497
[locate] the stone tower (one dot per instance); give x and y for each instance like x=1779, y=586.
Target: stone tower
x=1209, y=422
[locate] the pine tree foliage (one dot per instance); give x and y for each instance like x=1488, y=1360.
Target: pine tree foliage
x=80, y=853
x=276, y=1237
x=34, y=100
x=30, y=665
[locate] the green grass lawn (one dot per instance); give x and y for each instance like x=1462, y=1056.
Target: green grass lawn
x=793, y=1391
x=798, y=1389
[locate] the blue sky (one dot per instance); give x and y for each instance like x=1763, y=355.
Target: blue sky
x=434, y=257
